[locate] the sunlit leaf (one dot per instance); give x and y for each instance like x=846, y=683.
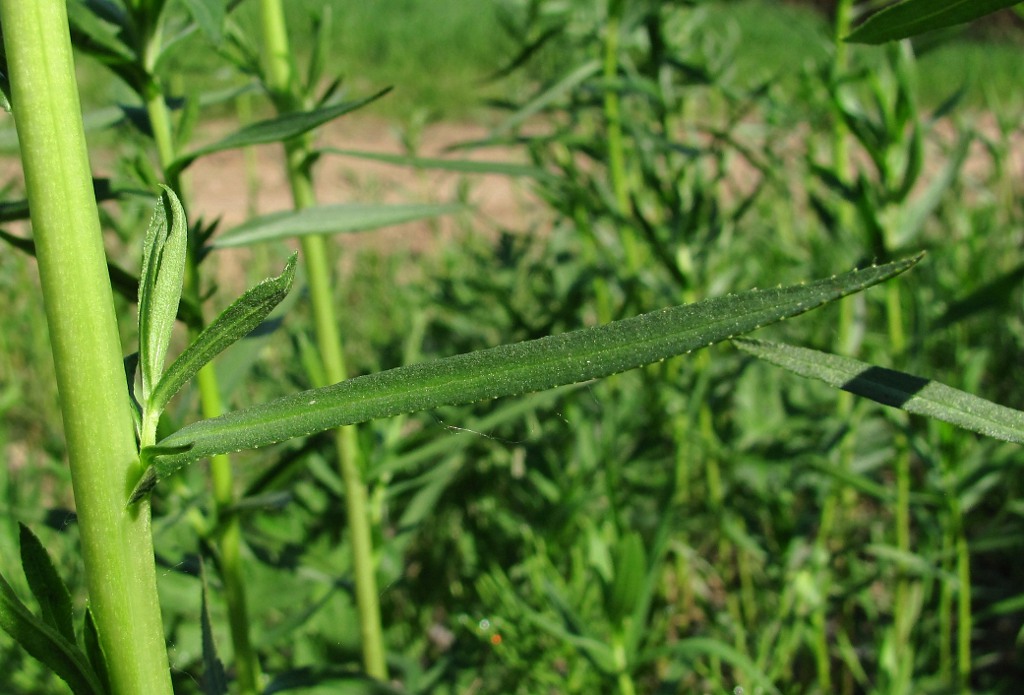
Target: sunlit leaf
x=233, y=324
x=160, y=283
x=897, y=389
x=278, y=129
x=329, y=219
x=509, y=370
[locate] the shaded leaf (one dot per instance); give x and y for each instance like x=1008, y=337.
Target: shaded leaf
x=47, y=645
x=94, y=650
x=345, y=681
x=215, y=681
x=508, y=370
x=46, y=584
x=913, y=17
x=893, y=388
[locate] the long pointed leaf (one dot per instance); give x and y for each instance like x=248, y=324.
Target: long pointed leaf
x=44, y=643
x=913, y=17
x=94, y=650
x=329, y=219
x=462, y=166
x=160, y=282
x=233, y=324
x=215, y=681
x=509, y=369
x=897, y=389
x=46, y=584
x=276, y=129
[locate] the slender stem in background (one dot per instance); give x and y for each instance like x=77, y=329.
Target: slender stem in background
x=613, y=119
x=845, y=344
x=227, y=534
x=117, y=544
x=281, y=78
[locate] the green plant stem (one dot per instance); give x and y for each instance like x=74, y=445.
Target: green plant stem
x=624, y=679
x=613, y=119
x=227, y=534
x=117, y=545
x=281, y=77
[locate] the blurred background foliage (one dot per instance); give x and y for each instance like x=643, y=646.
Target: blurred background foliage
x=702, y=525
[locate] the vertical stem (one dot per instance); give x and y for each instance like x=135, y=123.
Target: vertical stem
x=227, y=533
x=116, y=541
x=845, y=345
x=613, y=119
x=281, y=78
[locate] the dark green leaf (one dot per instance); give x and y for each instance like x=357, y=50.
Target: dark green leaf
x=343, y=680
x=913, y=17
x=510, y=369
x=329, y=219
x=696, y=648
x=215, y=681
x=46, y=584
x=233, y=324
x=629, y=569
x=47, y=645
x=94, y=650
x=277, y=129
x=160, y=284
x=897, y=389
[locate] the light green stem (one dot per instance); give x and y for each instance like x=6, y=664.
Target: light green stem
x=117, y=544
x=227, y=534
x=281, y=78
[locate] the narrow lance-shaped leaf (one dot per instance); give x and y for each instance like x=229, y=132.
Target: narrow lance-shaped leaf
x=329, y=219
x=215, y=681
x=94, y=650
x=507, y=370
x=893, y=388
x=463, y=166
x=44, y=643
x=276, y=129
x=913, y=17
x=46, y=584
x=160, y=283
x=233, y=324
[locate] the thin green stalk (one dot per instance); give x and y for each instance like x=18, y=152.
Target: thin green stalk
x=117, y=545
x=227, y=533
x=281, y=77
x=613, y=119
x=624, y=679
x=845, y=345
x=902, y=618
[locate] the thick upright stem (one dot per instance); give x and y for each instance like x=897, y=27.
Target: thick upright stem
x=116, y=541
x=280, y=77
